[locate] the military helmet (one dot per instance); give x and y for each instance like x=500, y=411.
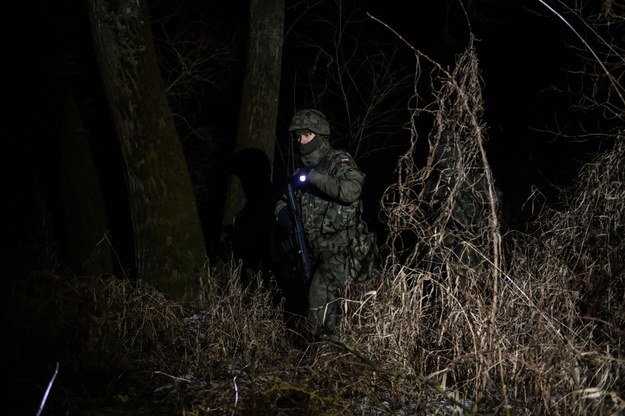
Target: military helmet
x=312, y=120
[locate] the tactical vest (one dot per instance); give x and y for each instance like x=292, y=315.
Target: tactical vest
x=325, y=220
x=322, y=216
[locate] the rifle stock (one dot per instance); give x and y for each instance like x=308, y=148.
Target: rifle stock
x=300, y=237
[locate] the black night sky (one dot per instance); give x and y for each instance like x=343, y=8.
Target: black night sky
x=525, y=56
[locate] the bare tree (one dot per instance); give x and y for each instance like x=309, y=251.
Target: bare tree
x=259, y=105
x=169, y=245
x=598, y=103
x=361, y=82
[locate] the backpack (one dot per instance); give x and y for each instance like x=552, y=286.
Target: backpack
x=363, y=252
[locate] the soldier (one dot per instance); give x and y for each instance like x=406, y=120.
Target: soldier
x=458, y=199
x=330, y=206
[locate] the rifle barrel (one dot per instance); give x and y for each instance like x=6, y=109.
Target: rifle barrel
x=300, y=237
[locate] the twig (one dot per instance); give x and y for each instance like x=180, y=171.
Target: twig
x=173, y=377
x=45, y=395
x=607, y=73
x=415, y=50
x=236, y=394
x=236, y=389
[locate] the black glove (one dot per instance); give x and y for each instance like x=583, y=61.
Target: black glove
x=284, y=218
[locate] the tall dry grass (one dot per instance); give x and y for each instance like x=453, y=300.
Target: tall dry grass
x=537, y=326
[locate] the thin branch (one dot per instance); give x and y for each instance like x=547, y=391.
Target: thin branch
x=594, y=54
x=45, y=395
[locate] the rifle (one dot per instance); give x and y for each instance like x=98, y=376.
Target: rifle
x=300, y=237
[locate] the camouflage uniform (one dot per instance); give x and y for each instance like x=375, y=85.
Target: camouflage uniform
x=466, y=192
x=330, y=206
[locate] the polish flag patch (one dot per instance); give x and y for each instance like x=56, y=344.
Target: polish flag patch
x=344, y=160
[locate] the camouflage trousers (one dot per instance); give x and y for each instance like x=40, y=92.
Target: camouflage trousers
x=329, y=277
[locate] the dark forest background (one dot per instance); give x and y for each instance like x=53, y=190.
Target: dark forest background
x=535, y=328
x=526, y=56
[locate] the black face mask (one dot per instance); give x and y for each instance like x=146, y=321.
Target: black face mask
x=312, y=152
x=311, y=146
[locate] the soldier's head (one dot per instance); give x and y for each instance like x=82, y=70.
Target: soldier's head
x=306, y=126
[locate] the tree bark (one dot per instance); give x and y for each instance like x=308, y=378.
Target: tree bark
x=259, y=104
x=169, y=245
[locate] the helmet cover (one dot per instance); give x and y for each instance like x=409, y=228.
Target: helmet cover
x=312, y=120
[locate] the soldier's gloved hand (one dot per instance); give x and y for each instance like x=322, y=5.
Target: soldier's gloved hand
x=300, y=178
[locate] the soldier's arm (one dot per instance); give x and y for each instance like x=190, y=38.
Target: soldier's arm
x=341, y=182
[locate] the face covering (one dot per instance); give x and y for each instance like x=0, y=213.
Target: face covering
x=312, y=152
x=311, y=146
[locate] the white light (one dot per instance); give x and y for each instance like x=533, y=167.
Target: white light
x=302, y=178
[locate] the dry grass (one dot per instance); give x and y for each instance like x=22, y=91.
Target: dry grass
x=124, y=348
x=536, y=327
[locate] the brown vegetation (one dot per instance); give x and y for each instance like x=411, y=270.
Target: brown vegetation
x=536, y=327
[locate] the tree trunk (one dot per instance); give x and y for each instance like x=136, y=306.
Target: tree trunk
x=169, y=245
x=259, y=104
